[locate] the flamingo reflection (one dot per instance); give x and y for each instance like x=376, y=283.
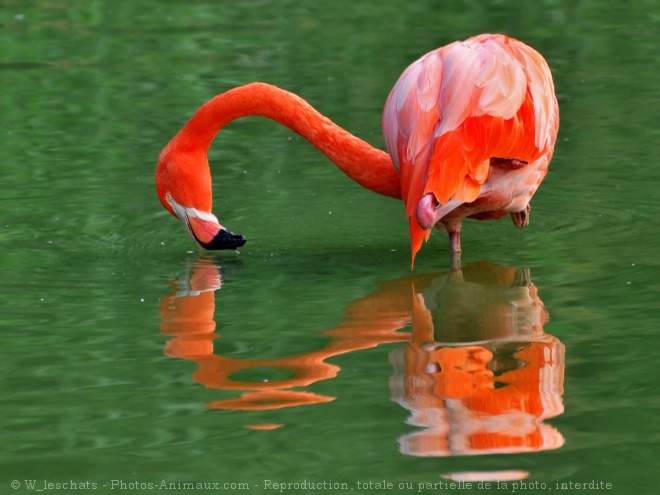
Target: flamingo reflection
x=187, y=315
x=478, y=373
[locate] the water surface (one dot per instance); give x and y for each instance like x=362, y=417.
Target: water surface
x=314, y=353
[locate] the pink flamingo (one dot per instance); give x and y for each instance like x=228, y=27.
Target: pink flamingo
x=470, y=129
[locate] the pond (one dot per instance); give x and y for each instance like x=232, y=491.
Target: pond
x=313, y=360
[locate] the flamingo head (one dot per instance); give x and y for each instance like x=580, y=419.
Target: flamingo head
x=183, y=183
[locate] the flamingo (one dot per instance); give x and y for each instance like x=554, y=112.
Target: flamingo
x=470, y=129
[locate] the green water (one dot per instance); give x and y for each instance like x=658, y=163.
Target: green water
x=109, y=378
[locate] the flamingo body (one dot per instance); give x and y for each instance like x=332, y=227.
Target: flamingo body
x=470, y=130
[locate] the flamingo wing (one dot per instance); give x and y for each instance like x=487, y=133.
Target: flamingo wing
x=457, y=107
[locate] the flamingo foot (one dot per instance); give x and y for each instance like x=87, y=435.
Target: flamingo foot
x=521, y=218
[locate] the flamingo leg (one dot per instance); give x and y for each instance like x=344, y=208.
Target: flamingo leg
x=455, y=241
x=455, y=250
x=455, y=261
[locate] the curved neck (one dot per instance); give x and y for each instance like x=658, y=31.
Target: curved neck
x=368, y=166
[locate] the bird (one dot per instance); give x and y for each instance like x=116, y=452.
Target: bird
x=470, y=129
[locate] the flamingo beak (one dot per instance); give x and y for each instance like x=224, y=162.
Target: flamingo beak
x=205, y=228
x=211, y=235
x=225, y=239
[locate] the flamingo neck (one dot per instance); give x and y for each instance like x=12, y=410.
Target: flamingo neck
x=368, y=166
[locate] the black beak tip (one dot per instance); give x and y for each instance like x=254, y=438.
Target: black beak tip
x=224, y=239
